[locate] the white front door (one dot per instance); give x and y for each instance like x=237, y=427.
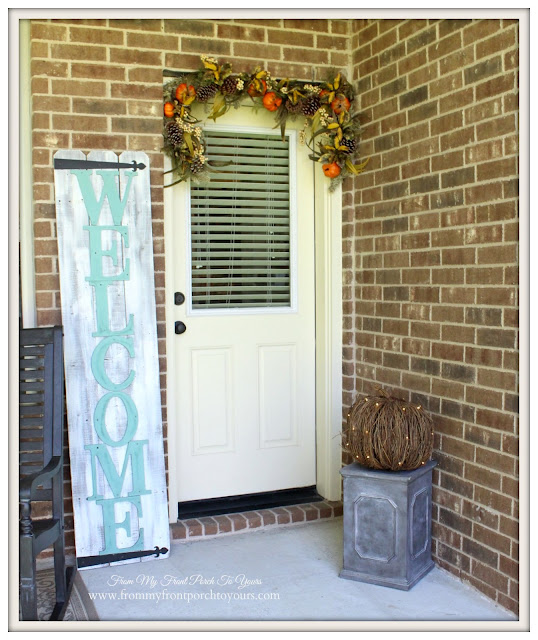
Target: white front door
x=244, y=380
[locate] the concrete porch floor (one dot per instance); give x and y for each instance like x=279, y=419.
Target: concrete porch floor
x=288, y=574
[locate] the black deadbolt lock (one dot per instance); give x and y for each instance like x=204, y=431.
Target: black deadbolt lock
x=179, y=298
x=180, y=327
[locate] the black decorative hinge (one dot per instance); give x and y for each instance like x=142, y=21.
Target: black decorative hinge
x=73, y=163
x=90, y=561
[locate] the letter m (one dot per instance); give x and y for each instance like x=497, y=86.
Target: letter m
x=134, y=453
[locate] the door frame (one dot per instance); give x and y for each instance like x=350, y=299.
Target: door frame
x=328, y=349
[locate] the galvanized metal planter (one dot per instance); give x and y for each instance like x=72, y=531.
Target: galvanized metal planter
x=387, y=525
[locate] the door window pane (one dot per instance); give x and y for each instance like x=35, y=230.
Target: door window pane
x=240, y=224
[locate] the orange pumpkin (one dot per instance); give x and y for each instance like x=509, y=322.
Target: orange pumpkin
x=168, y=109
x=257, y=88
x=339, y=104
x=185, y=94
x=271, y=101
x=331, y=169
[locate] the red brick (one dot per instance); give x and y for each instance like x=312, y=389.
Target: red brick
x=480, y=29
x=194, y=528
x=96, y=36
x=191, y=27
x=224, y=524
x=39, y=31
x=97, y=71
x=254, y=520
x=210, y=526
x=238, y=520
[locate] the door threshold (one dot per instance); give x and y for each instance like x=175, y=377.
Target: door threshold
x=247, y=502
x=190, y=529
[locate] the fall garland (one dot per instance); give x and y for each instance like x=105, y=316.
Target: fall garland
x=327, y=109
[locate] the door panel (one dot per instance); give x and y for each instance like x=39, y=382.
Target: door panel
x=245, y=366
x=211, y=400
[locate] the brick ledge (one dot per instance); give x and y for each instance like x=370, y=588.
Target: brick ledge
x=243, y=522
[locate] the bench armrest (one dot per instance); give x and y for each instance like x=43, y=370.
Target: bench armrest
x=28, y=483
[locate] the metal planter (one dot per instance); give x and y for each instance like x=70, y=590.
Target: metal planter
x=387, y=525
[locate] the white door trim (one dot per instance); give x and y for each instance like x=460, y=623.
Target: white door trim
x=25, y=195
x=328, y=252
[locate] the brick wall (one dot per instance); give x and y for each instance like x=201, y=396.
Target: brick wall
x=97, y=84
x=431, y=268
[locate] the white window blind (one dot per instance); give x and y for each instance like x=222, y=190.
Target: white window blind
x=240, y=224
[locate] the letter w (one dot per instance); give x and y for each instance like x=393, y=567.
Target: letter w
x=110, y=191
x=134, y=453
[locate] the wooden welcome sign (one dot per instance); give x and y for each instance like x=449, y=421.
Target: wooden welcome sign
x=103, y=213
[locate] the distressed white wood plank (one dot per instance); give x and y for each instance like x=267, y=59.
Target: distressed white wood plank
x=134, y=296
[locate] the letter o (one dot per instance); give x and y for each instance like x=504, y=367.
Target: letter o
x=99, y=418
x=98, y=362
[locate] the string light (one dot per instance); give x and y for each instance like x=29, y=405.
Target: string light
x=392, y=427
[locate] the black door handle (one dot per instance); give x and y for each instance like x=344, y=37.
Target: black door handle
x=179, y=298
x=180, y=327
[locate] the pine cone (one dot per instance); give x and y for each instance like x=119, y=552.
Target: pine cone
x=229, y=86
x=174, y=133
x=197, y=165
x=311, y=105
x=294, y=108
x=206, y=92
x=350, y=144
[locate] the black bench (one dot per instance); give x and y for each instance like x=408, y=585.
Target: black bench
x=41, y=426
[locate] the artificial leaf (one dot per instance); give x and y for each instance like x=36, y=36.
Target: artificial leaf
x=351, y=166
x=219, y=106
x=333, y=125
x=219, y=163
x=360, y=167
x=188, y=140
x=337, y=81
x=176, y=182
x=316, y=120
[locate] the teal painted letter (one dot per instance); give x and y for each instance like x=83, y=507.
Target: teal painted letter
x=110, y=191
x=111, y=526
x=134, y=453
x=100, y=413
x=102, y=312
x=97, y=253
x=98, y=363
